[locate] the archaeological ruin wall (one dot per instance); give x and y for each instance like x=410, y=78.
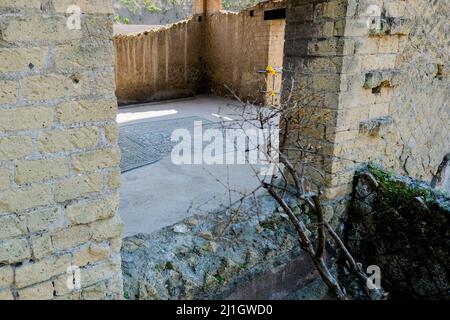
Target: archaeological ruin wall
x=215, y=51
x=239, y=46
x=59, y=157
x=378, y=73
x=379, y=94
x=160, y=64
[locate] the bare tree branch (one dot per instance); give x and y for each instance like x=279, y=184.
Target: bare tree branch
x=320, y=228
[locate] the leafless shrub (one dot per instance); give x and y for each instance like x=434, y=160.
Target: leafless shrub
x=295, y=160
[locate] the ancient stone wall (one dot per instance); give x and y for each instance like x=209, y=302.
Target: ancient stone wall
x=377, y=72
x=160, y=64
x=313, y=63
x=407, y=223
x=238, y=45
x=214, y=51
x=395, y=105
x=58, y=152
x=369, y=94
x=219, y=255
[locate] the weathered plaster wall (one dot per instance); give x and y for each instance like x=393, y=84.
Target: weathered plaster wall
x=421, y=101
x=369, y=95
x=160, y=64
x=239, y=45
x=275, y=59
x=58, y=152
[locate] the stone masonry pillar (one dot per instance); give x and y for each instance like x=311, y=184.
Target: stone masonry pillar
x=213, y=6
x=207, y=6
x=59, y=156
x=315, y=59
x=199, y=7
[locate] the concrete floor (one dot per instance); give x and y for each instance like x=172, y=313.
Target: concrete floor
x=162, y=194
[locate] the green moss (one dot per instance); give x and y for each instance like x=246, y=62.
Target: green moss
x=266, y=225
x=271, y=224
x=379, y=173
x=219, y=279
x=397, y=191
x=243, y=266
x=121, y=20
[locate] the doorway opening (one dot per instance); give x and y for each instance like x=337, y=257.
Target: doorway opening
x=169, y=77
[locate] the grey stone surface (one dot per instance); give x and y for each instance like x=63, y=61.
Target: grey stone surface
x=442, y=179
x=148, y=142
x=159, y=195
x=220, y=256
x=402, y=226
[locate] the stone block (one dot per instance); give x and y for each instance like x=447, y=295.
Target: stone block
x=40, y=170
x=78, y=186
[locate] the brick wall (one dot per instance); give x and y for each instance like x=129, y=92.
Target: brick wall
x=58, y=152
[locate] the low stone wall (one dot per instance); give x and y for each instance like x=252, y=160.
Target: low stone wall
x=403, y=226
x=245, y=254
